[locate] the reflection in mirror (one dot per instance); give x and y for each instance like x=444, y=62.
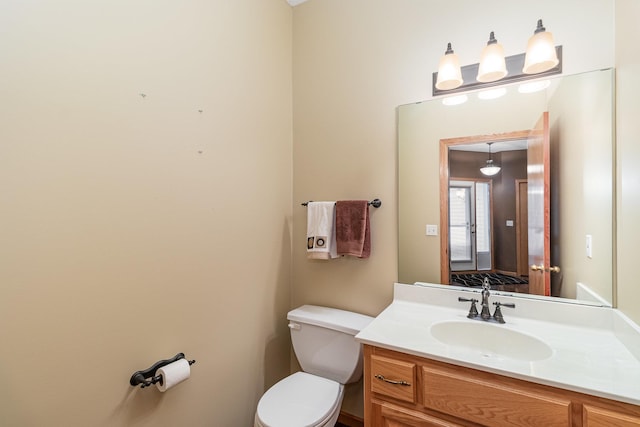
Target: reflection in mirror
x=485, y=223
x=470, y=212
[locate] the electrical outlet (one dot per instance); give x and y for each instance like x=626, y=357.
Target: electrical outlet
x=432, y=230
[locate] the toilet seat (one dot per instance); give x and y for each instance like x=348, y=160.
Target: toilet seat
x=300, y=400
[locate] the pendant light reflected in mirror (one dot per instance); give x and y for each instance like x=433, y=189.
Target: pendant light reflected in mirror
x=490, y=169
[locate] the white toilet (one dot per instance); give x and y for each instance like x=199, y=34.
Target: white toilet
x=330, y=357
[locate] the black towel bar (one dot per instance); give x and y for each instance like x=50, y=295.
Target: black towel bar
x=376, y=203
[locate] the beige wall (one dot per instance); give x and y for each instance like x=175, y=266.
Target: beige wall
x=135, y=228
x=354, y=63
x=581, y=116
x=628, y=155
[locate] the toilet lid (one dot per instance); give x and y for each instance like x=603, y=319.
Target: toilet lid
x=300, y=400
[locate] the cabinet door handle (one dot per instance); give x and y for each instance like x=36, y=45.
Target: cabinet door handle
x=397, y=382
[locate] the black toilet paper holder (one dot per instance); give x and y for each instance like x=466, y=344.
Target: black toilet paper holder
x=148, y=376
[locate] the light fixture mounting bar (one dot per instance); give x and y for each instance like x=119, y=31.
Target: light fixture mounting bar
x=514, y=63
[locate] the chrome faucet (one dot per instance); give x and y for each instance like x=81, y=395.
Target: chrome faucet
x=485, y=313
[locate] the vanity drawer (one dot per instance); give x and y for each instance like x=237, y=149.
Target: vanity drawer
x=393, y=378
x=482, y=400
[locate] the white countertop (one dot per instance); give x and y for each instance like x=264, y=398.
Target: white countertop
x=595, y=350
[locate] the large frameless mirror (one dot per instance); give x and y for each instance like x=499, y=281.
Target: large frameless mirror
x=543, y=224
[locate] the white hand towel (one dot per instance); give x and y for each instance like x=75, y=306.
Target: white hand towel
x=321, y=230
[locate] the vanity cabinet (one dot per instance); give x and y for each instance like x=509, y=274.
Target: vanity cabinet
x=402, y=390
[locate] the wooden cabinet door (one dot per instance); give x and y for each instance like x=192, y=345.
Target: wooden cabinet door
x=598, y=417
x=408, y=391
x=389, y=415
x=483, y=400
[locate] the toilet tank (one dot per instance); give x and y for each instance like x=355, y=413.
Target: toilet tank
x=324, y=344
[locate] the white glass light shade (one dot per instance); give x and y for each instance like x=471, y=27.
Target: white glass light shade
x=541, y=52
x=490, y=169
x=492, y=64
x=449, y=73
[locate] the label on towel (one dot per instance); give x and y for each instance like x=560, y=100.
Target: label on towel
x=316, y=242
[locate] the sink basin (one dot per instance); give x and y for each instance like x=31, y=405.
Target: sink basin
x=491, y=340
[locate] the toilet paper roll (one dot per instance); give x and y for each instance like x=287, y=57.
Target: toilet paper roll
x=172, y=374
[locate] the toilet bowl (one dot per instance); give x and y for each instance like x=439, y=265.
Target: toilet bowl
x=300, y=400
x=324, y=344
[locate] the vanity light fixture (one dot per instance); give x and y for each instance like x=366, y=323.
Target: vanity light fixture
x=541, y=53
x=449, y=74
x=492, y=65
x=542, y=58
x=490, y=168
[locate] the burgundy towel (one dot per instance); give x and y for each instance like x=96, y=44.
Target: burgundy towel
x=352, y=228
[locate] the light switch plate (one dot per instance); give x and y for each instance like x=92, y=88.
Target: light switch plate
x=589, y=246
x=432, y=230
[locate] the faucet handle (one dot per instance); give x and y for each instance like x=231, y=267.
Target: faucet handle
x=497, y=314
x=473, y=310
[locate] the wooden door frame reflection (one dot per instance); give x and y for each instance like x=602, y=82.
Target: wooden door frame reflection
x=445, y=273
